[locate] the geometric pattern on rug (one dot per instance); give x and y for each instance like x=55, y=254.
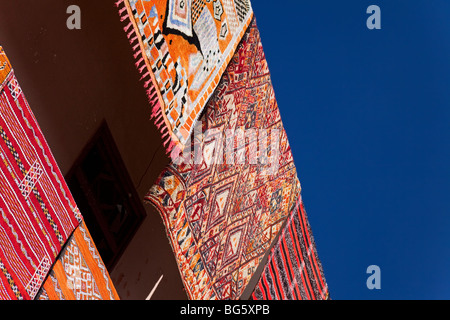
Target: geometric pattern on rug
x=221, y=217
x=79, y=273
x=182, y=49
x=37, y=211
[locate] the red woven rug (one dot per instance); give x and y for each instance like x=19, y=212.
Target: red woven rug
x=226, y=199
x=37, y=211
x=293, y=270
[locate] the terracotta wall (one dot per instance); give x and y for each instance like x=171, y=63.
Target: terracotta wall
x=73, y=79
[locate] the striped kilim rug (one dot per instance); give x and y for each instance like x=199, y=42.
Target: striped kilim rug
x=37, y=211
x=293, y=270
x=38, y=216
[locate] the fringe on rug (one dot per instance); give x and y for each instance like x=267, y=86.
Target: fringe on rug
x=151, y=89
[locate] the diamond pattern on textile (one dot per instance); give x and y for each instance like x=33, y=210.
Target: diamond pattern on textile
x=197, y=8
x=218, y=10
x=79, y=273
x=242, y=7
x=228, y=213
x=15, y=89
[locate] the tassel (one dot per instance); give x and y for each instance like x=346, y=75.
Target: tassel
x=135, y=55
x=152, y=97
x=151, y=92
x=158, y=118
x=139, y=62
x=160, y=121
x=127, y=26
x=122, y=10
x=165, y=134
x=134, y=39
x=145, y=75
x=155, y=102
x=171, y=146
x=130, y=33
x=175, y=152
x=164, y=131
x=159, y=124
x=147, y=83
x=156, y=110
x=167, y=140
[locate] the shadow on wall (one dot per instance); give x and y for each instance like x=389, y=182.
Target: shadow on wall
x=76, y=79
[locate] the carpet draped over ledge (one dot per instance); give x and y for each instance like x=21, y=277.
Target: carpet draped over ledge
x=38, y=214
x=221, y=217
x=182, y=49
x=230, y=197
x=293, y=270
x=79, y=273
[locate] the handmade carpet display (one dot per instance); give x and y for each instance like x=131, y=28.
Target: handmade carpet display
x=79, y=273
x=38, y=213
x=221, y=215
x=293, y=271
x=182, y=49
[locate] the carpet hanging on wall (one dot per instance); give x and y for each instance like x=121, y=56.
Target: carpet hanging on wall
x=293, y=270
x=223, y=202
x=182, y=49
x=232, y=182
x=79, y=272
x=38, y=214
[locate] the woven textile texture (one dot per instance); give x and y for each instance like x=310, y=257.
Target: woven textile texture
x=37, y=211
x=79, y=272
x=221, y=216
x=293, y=270
x=182, y=49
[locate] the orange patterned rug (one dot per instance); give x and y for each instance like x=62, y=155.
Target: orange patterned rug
x=79, y=272
x=182, y=49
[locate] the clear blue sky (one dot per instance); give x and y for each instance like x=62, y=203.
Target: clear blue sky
x=367, y=114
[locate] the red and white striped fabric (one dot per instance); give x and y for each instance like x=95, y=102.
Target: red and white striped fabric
x=37, y=211
x=293, y=270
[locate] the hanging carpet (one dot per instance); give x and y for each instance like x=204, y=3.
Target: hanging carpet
x=37, y=211
x=79, y=273
x=182, y=49
x=225, y=199
x=38, y=214
x=293, y=270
